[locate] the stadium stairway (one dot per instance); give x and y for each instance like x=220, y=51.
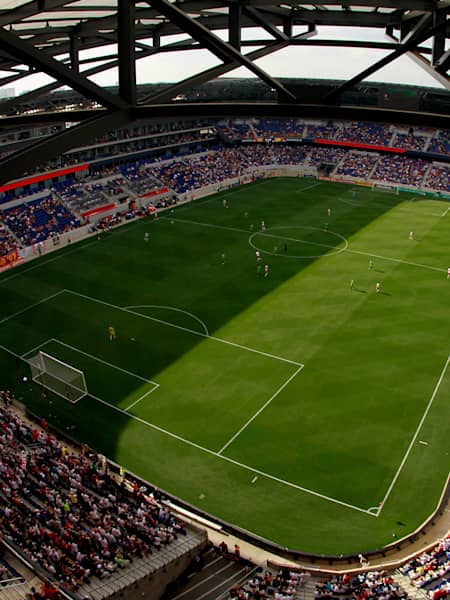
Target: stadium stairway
x=18, y=590
x=213, y=582
x=405, y=582
x=165, y=560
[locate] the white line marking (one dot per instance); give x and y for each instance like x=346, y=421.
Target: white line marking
x=335, y=250
x=418, y=212
x=19, y=312
x=349, y=249
x=422, y=442
x=211, y=452
x=141, y=397
x=147, y=393
x=108, y=364
x=445, y=212
x=419, y=427
x=36, y=348
x=201, y=224
x=399, y=260
x=228, y=459
x=257, y=413
x=308, y=187
x=199, y=333
x=202, y=323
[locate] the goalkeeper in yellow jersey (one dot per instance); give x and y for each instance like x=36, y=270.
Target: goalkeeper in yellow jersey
x=111, y=333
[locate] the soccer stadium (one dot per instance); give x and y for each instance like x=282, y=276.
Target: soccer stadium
x=224, y=328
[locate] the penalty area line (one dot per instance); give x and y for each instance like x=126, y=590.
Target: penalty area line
x=258, y=412
x=186, y=329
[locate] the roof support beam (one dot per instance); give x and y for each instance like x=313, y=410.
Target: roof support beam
x=264, y=23
x=27, y=53
x=74, y=53
x=234, y=26
x=415, y=37
x=178, y=88
x=439, y=38
x=214, y=44
x=40, y=152
x=126, y=35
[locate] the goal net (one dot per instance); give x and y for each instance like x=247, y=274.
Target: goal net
x=385, y=187
x=57, y=376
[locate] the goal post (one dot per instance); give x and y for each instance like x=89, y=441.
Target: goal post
x=58, y=377
x=385, y=187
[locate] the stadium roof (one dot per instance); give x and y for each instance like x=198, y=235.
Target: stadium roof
x=73, y=40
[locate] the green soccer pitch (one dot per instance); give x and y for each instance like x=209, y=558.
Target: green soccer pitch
x=303, y=406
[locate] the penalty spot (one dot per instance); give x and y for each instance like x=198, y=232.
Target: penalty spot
x=254, y=479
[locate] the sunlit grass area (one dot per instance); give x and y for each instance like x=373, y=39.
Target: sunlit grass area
x=301, y=405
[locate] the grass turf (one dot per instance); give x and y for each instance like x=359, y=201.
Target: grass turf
x=204, y=388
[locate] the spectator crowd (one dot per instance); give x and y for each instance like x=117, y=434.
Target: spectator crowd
x=66, y=512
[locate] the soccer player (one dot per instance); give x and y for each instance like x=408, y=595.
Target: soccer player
x=411, y=235
x=258, y=255
x=352, y=284
x=225, y=203
x=111, y=333
x=329, y=212
x=353, y=195
x=146, y=236
x=258, y=269
x=223, y=257
x=378, y=287
x=266, y=270
x=448, y=273
x=370, y=265
x=263, y=226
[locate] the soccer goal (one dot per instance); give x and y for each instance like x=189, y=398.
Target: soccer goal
x=58, y=376
x=385, y=187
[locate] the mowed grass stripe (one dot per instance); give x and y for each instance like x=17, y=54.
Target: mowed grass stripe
x=343, y=424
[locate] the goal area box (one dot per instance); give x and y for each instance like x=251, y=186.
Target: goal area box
x=58, y=377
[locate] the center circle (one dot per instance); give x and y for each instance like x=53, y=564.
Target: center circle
x=266, y=233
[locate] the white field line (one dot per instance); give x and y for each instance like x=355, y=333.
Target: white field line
x=36, y=348
x=308, y=187
x=228, y=459
x=289, y=239
x=43, y=263
x=174, y=308
x=212, y=453
x=389, y=258
x=199, y=333
x=419, y=427
x=142, y=397
x=258, y=412
x=201, y=224
x=108, y=364
x=417, y=212
x=398, y=260
x=19, y=312
x=445, y=212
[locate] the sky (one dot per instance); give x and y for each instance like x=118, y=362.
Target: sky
x=309, y=62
